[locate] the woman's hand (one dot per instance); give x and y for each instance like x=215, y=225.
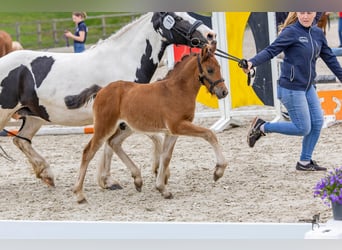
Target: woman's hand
x=68, y=34
x=249, y=67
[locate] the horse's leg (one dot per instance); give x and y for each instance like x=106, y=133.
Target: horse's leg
x=190, y=129
x=104, y=177
x=115, y=142
x=88, y=154
x=164, y=170
x=40, y=166
x=157, y=151
x=5, y=116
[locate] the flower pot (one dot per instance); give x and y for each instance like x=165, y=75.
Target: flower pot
x=337, y=211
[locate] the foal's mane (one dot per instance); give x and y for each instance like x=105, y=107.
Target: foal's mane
x=176, y=67
x=121, y=31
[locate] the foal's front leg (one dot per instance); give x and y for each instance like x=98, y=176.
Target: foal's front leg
x=164, y=170
x=189, y=129
x=88, y=154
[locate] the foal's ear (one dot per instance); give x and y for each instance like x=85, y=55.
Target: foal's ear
x=208, y=50
x=205, y=53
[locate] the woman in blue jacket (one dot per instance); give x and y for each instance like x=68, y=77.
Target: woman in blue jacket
x=302, y=43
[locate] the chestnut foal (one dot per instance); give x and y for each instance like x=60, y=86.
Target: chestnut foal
x=166, y=106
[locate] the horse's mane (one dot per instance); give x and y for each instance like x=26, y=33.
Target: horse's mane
x=175, y=68
x=121, y=31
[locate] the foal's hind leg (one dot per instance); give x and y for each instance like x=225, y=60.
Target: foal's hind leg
x=104, y=178
x=115, y=142
x=40, y=166
x=164, y=170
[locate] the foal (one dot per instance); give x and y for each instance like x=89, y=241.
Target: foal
x=166, y=106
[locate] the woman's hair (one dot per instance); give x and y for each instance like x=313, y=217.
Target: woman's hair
x=290, y=19
x=80, y=13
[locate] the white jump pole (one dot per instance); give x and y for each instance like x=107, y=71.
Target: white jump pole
x=226, y=111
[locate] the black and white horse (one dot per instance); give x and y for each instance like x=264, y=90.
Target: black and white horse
x=36, y=84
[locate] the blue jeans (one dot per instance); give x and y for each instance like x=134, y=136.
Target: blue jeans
x=306, y=115
x=79, y=47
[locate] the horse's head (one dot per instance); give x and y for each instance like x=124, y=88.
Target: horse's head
x=210, y=71
x=181, y=28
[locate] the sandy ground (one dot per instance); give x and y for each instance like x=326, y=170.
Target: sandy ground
x=259, y=185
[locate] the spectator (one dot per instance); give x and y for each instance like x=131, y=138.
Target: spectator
x=81, y=31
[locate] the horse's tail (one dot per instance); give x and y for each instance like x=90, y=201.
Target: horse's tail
x=4, y=154
x=77, y=101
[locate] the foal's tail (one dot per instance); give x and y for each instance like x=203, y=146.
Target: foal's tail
x=77, y=101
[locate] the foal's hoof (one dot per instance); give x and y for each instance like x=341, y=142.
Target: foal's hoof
x=219, y=171
x=115, y=187
x=168, y=195
x=82, y=201
x=138, y=184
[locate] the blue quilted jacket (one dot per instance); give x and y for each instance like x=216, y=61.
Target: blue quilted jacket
x=301, y=46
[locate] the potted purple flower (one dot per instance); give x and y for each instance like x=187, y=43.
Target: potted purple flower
x=329, y=189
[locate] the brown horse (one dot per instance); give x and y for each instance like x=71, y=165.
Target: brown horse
x=5, y=43
x=324, y=21
x=166, y=106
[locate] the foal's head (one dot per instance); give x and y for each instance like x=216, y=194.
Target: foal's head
x=210, y=71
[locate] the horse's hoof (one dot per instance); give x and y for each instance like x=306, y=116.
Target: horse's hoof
x=219, y=171
x=82, y=201
x=115, y=187
x=216, y=177
x=49, y=181
x=168, y=196
x=138, y=184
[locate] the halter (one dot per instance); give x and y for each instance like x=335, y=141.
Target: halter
x=168, y=22
x=202, y=77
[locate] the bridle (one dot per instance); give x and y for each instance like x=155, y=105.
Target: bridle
x=202, y=77
x=168, y=23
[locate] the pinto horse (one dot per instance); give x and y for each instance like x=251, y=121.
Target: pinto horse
x=35, y=83
x=166, y=106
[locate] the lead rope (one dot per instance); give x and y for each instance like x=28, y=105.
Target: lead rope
x=241, y=62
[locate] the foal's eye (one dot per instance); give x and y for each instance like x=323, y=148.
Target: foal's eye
x=210, y=70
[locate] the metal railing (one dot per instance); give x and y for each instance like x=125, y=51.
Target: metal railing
x=50, y=34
